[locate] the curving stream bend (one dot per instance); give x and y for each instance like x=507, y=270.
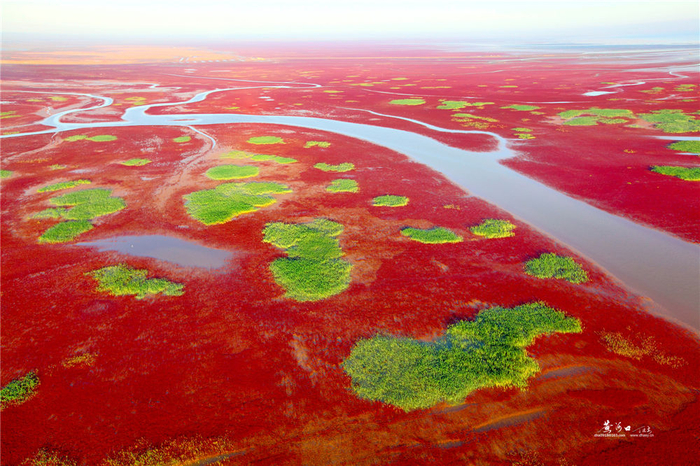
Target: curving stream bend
x=652, y=263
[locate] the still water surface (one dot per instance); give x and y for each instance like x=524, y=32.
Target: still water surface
x=165, y=248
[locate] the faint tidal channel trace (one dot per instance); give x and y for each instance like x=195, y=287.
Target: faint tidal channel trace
x=165, y=248
x=650, y=262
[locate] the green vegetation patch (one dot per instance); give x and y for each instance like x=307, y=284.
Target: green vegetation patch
x=232, y=172
x=50, y=458
x=612, y=121
x=692, y=147
x=102, y=138
x=550, y=265
x=135, y=162
x=19, y=390
x=522, y=108
x=313, y=269
x=272, y=158
x=317, y=144
x=452, y=104
x=342, y=167
x=407, y=102
x=685, y=88
x=65, y=231
x=63, y=185
x=54, y=212
x=436, y=235
x=522, y=130
x=343, y=186
x=486, y=352
x=601, y=112
x=458, y=104
x=492, y=228
x=5, y=174
x=121, y=280
x=390, y=200
x=98, y=138
x=239, y=154
x=229, y=200
x=593, y=116
x=469, y=116
x=78, y=207
x=684, y=173
x=582, y=121
x=89, y=203
x=672, y=121
x=182, y=139
x=266, y=140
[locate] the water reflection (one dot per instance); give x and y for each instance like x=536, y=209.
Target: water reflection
x=165, y=248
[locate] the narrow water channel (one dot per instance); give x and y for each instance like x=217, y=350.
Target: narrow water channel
x=648, y=261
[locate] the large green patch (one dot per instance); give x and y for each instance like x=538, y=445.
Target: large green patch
x=232, y=172
x=135, y=162
x=98, y=138
x=239, y=154
x=436, y=235
x=550, y=265
x=62, y=185
x=684, y=173
x=672, y=121
x=52, y=212
x=228, y=200
x=390, y=200
x=459, y=104
x=486, y=352
x=78, y=208
x=65, y=231
x=89, y=203
x=492, y=228
x=272, y=158
x=407, y=102
x=692, y=147
x=522, y=108
x=593, y=116
x=19, y=390
x=600, y=112
x=341, y=167
x=343, y=186
x=313, y=269
x=121, y=280
x=266, y=140
x=317, y=144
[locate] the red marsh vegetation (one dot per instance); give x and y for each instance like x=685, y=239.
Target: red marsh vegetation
x=233, y=366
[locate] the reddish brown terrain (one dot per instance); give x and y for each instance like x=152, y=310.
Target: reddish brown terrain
x=234, y=372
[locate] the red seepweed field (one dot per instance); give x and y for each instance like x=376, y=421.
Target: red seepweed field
x=233, y=367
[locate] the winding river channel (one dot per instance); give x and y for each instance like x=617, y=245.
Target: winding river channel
x=650, y=262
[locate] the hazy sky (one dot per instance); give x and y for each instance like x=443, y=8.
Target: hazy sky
x=541, y=20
